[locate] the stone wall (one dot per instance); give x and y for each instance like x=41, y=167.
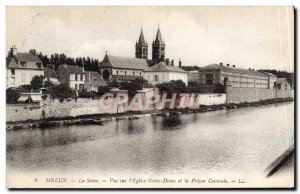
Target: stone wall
x=237, y=95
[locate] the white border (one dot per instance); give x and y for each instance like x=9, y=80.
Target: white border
x=5, y=3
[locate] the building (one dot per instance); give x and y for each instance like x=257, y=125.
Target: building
x=51, y=75
x=165, y=72
x=193, y=76
x=72, y=76
x=272, y=79
x=115, y=68
x=158, y=48
x=93, y=81
x=233, y=76
x=282, y=84
x=22, y=67
x=141, y=47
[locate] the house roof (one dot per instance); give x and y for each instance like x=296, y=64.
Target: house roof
x=232, y=69
x=94, y=78
x=48, y=72
x=31, y=61
x=72, y=69
x=162, y=66
x=125, y=62
x=280, y=80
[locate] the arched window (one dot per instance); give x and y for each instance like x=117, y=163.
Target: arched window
x=209, y=78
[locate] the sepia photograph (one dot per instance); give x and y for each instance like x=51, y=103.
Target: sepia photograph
x=150, y=97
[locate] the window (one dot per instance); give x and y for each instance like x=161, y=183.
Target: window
x=81, y=77
x=133, y=72
x=23, y=63
x=75, y=86
x=125, y=72
x=209, y=78
x=81, y=86
x=117, y=72
x=156, y=78
x=13, y=71
x=75, y=77
x=140, y=73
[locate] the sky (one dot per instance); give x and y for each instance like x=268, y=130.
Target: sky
x=247, y=37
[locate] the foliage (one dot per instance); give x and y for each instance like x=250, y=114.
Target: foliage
x=102, y=90
x=174, y=86
x=61, y=92
x=86, y=94
x=219, y=88
x=12, y=95
x=194, y=87
x=133, y=86
x=25, y=88
x=37, y=82
x=190, y=68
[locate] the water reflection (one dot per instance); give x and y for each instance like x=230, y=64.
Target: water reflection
x=214, y=140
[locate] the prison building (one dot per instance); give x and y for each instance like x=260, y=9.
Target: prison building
x=233, y=76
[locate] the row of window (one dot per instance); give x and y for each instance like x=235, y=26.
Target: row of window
x=125, y=72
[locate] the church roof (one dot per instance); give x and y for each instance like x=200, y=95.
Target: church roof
x=158, y=38
x=124, y=62
x=142, y=39
x=162, y=66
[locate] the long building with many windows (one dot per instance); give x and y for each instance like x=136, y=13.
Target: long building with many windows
x=233, y=76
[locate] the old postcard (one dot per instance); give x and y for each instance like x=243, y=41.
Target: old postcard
x=150, y=97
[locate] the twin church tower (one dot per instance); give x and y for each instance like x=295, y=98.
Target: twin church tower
x=158, y=48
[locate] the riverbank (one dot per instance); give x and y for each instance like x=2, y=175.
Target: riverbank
x=98, y=119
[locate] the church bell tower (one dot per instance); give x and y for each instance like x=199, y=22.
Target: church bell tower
x=141, y=47
x=158, y=48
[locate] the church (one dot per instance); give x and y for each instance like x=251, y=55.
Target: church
x=156, y=70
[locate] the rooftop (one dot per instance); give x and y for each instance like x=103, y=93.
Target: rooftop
x=162, y=66
x=125, y=62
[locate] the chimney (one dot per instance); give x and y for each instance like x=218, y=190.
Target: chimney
x=221, y=64
x=172, y=62
x=179, y=63
x=249, y=69
x=233, y=65
x=167, y=61
x=228, y=65
x=13, y=50
x=252, y=69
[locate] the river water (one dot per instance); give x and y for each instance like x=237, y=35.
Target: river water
x=240, y=140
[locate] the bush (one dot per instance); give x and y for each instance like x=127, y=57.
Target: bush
x=85, y=94
x=62, y=92
x=174, y=86
x=37, y=82
x=102, y=90
x=12, y=96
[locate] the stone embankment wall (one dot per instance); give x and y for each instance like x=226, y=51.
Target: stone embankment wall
x=237, y=95
x=54, y=108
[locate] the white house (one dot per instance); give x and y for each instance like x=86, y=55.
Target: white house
x=22, y=67
x=165, y=72
x=282, y=84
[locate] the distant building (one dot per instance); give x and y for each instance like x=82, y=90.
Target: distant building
x=51, y=75
x=22, y=67
x=193, y=76
x=282, y=84
x=236, y=77
x=122, y=68
x=272, y=79
x=93, y=81
x=165, y=72
x=72, y=76
x=141, y=47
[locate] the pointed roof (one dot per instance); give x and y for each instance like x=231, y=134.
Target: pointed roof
x=158, y=38
x=142, y=38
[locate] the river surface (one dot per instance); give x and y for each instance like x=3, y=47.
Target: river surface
x=240, y=140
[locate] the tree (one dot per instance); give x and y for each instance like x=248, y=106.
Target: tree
x=12, y=96
x=37, y=82
x=61, y=92
x=133, y=86
x=174, y=86
x=102, y=90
